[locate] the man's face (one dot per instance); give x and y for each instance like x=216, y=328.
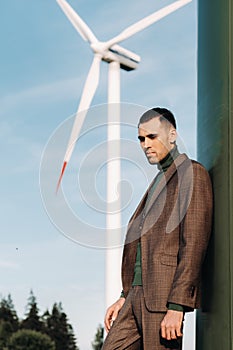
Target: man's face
x=155, y=139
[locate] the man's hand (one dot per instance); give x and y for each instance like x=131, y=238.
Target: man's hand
x=171, y=325
x=112, y=313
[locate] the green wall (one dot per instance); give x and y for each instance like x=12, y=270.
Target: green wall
x=215, y=151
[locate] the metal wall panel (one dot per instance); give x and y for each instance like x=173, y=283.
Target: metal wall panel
x=215, y=151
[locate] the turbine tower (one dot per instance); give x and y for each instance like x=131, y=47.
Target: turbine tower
x=118, y=58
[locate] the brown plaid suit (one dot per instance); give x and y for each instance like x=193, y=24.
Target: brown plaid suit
x=174, y=231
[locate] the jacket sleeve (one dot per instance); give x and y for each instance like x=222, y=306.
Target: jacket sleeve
x=196, y=202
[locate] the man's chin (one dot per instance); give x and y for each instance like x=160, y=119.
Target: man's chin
x=152, y=160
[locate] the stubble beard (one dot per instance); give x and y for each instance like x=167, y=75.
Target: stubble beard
x=152, y=159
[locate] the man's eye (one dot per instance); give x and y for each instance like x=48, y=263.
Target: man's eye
x=152, y=136
x=141, y=138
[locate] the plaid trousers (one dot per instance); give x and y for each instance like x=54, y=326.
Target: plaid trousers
x=136, y=328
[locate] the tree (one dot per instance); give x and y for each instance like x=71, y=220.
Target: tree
x=8, y=321
x=30, y=340
x=99, y=338
x=32, y=320
x=6, y=332
x=55, y=327
x=8, y=313
x=58, y=328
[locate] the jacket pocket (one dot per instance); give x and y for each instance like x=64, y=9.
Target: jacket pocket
x=170, y=260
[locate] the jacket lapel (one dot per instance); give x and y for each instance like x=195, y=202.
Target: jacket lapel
x=139, y=207
x=141, y=204
x=165, y=179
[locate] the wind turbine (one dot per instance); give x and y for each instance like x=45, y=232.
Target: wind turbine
x=117, y=57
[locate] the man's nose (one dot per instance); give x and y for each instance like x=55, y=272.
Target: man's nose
x=147, y=142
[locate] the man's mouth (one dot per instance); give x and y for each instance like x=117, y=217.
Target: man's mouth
x=150, y=153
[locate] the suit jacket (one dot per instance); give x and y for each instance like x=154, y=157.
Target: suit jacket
x=174, y=231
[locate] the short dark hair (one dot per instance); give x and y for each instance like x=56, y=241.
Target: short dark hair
x=162, y=113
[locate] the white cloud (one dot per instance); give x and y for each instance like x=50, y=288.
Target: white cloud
x=4, y=264
x=52, y=91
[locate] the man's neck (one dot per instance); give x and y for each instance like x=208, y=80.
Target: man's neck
x=165, y=163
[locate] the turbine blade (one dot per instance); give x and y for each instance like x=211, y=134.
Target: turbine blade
x=77, y=22
x=86, y=98
x=146, y=22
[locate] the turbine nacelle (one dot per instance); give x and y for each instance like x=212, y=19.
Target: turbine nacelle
x=128, y=60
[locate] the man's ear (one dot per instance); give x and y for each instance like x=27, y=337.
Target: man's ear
x=172, y=135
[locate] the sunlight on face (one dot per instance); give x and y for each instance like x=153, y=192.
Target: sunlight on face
x=156, y=139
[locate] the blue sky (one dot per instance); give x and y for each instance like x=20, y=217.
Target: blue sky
x=44, y=63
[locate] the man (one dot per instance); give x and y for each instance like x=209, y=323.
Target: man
x=165, y=245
